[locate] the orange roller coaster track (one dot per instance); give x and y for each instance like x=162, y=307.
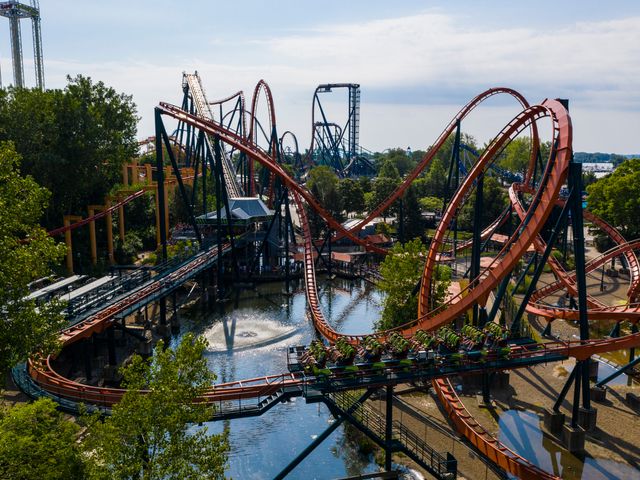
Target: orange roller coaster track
x=546, y=195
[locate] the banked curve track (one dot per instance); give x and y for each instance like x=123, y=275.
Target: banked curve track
x=545, y=197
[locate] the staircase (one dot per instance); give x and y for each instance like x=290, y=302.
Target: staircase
x=443, y=467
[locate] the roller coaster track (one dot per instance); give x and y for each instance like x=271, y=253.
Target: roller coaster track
x=203, y=108
x=609, y=230
x=97, y=216
x=438, y=144
x=548, y=193
x=545, y=197
x=597, y=310
x=486, y=444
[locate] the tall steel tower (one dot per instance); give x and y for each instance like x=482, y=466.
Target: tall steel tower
x=15, y=11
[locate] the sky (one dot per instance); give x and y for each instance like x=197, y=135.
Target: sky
x=418, y=62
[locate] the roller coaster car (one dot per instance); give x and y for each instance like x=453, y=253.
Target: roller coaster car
x=370, y=351
x=449, y=341
x=342, y=352
x=422, y=357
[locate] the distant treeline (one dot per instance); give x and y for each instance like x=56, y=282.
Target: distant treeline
x=597, y=157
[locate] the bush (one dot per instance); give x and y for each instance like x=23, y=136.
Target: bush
x=37, y=442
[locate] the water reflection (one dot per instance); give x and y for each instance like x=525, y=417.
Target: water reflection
x=249, y=341
x=521, y=432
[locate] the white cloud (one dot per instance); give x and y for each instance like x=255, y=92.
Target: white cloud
x=432, y=48
x=595, y=64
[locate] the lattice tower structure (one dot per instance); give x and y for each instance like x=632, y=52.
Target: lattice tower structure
x=16, y=11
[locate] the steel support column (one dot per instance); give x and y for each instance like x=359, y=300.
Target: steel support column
x=388, y=428
x=577, y=224
x=162, y=207
x=322, y=437
x=477, y=240
x=515, y=325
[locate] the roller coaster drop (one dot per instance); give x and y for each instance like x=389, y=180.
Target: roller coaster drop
x=412, y=352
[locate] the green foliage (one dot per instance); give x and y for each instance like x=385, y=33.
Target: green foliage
x=435, y=180
x=382, y=188
x=351, y=195
x=495, y=200
x=323, y=184
x=365, y=184
x=182, y=248
x=597, y=157
x=389, y=170
x=401, y=270
x=178, y=208
x=126, y=252
x=516, y=155
x=430, y=204
x=588, y=178
x=140, y=217
x=524, y=285
x=413, y=222
x=394, y=163
x=616, y=198
x=149, y=435
x=73, y=141
x=442, y=278
x=25, y=329
x=37, y=442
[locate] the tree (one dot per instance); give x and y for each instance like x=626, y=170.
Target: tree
x=516, y=155
x=398, y=158
x=616, y=198
x=401, y=271
x=365, y=184
x=37, y=442
x=149, y=435
x=73, y=141
x=389, y=170
x=413, y=221
x=430, y=204
x=26, y=252
x=323, y=184
x=494, y=202
x=351, y=195
x=383, y=187
x=435, y=180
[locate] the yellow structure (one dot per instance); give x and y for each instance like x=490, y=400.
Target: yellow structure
x=134, y=178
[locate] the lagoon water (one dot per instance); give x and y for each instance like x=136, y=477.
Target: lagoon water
x=249, y=341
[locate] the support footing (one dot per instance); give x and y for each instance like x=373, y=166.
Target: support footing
x=598, y=394
x=553, y=421
x=587, y=418
x=573, y=439
x=633, y=401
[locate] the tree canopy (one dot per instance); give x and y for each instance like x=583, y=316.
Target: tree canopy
x=494, y=202
x=26, y=252
x=73, y=141
x=323, y=184
x=616, y=198
x=402, y=161
x=401, y=271
x=516, y=155
x=383, y=187
x=36, y=441
x=149, y=435
x=351, y=195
